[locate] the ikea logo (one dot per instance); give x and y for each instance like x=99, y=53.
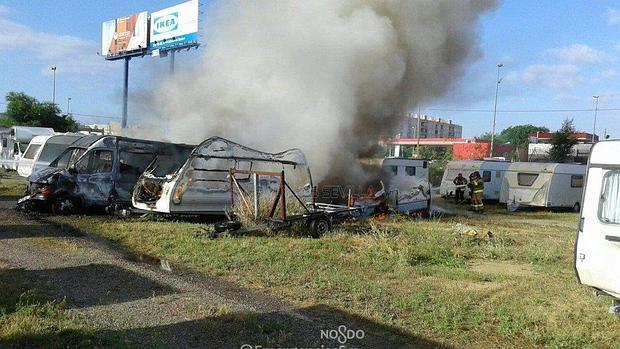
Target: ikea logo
x=166, y=23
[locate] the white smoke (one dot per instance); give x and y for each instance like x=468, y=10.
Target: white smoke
x=328, y=76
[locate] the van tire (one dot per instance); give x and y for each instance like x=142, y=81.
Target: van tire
x=66, y=205
x=576, y=207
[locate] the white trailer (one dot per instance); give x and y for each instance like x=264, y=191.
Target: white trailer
x=492, y=172
x=541, y=184
x=14, y=143
x=597, y=250
x=409, y=188
x=42, y=150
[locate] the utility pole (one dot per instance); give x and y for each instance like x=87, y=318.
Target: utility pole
x=417, y=147
x=54, y=85
x=171, y=62
x=595, y=112
x=68, y=103
x=499, y=80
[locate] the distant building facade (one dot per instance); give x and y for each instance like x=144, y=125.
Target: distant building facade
x=430, y=127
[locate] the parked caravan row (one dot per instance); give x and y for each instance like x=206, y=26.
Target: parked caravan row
x=97, y=172
x=13, y=143
x=522, y=184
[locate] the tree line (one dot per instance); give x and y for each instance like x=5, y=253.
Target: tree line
x=25, y=110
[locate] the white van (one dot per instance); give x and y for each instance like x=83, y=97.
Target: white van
x=14, y=143
x=42, y=150
x=540, y=184
x=409, y=188
x=492, y=172
x=597, y=251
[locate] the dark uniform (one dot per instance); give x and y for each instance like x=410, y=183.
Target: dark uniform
x=459, y=192
x=476, y=186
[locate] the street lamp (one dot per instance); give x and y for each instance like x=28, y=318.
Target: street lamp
x=499, y=80
x=54, y=85
x=68, y=103
x=595, y=112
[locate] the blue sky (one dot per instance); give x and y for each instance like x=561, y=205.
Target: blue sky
x=556, y=55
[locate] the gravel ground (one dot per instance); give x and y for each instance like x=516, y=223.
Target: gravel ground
x=149, y=302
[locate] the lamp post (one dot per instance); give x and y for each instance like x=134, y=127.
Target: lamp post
x=595, y=112
x=68, y=104
x=499, y=80
x=54, y=85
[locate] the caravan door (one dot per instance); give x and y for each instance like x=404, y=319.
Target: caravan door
x=597, y=253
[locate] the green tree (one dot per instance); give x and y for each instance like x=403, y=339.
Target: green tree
x=26, y=110
x=518, y=135
x=515, y=135
x=562, y=142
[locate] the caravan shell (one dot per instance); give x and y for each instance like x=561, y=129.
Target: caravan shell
x=597, y=250
x=540, y=184
x=42, y=150
x=409, y=185
x=492, y=172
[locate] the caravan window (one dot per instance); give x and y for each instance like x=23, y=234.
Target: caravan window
x=486, y=176
x=410, y=170
x=526, y=179
x=576, y=181
x=32, y=151
x=609, y=205
x=393, y=170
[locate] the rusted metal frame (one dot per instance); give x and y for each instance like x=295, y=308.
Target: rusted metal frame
x=285, y=162
x=241, y=193
x=260, y=173
x=297, y=197
x=283, y=193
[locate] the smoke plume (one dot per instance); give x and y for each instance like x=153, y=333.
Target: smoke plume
x=328, y=76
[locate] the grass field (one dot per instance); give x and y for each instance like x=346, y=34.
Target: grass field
x=516, y=288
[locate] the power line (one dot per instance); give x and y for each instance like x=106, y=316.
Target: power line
x=526, y=110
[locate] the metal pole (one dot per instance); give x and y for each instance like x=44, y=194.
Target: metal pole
x=171, y=62
x=595, y=112
x=54, y=85
x=417, y=147
x=125, y=94
x=68, y=102
x=495, y=110
x=256, y=194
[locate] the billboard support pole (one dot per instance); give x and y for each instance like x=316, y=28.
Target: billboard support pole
x=125, y=93
x=172, y=62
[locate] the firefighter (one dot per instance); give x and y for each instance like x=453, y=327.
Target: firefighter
x=460, y=183
x=477, y=187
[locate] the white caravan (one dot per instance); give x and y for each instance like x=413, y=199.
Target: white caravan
x=492, y=172
x=597, y=251
x=42, y=150
x=409, y=185
x=14, y=143
x=541, y=184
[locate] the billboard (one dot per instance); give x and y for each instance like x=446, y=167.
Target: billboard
x=122, y=35
x=175, y=26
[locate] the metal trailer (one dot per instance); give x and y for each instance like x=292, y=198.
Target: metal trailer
x=317, y=217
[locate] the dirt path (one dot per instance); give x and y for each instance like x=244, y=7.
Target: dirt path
x=114, y=291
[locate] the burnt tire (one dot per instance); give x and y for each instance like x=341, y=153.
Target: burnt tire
x=223, y=226
x=319, y=226
x=66, y=205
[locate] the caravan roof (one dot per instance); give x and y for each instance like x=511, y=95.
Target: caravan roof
x=605, y=153
x=26, y=133
x=475, y=165
x=546, y=167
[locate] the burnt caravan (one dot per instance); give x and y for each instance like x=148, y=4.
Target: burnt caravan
x=104, y=176
x=202, y=185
